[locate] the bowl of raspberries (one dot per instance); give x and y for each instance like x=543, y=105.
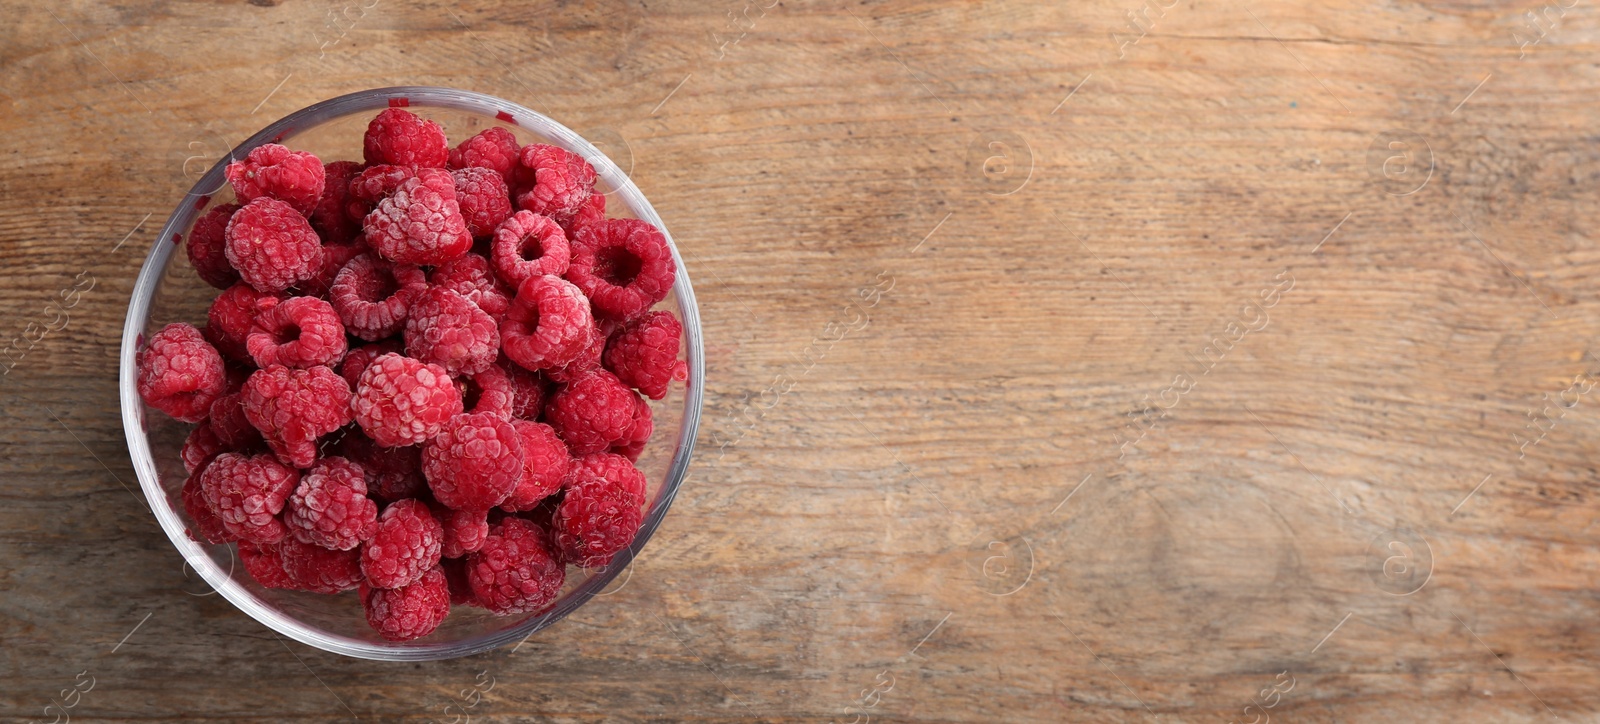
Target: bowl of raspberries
x=413, y=373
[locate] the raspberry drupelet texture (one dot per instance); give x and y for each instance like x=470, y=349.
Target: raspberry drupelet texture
x=294, y=407
x=207, y=525
x=374, y=184
x=597, y=517
x=623, y=265
x=264, y=564
x=494, y=148
x=588, y=360
x=297, y=332
x=247, y=493
x=272, y=245
x=392, y=473
x=487, y=391
x=330, y=218
x=464, y=530
x=644, y=353
x=420, y=223
x=552, y=181
x=545, y=463
x=474, y=463
x=528, y=245
x=230, y=425
x=397, y=136
x=319, y=570
x=180, y=373
x=632, y=445
x=230, y=318
x=446, y=329
x=472, y=277
x=334, y=257
x=403, y=401
x=549, y=323
x=613, y=468
x=330, y=507
x=527, y=390
x=273, y=171
x=373, y=297
x=515, y=570
x=357, y=360
x=199, y=447
x=592, y=413
x=405, y=545
x=207, y=248
x=410, y=611
x=592, y=211
x=484, y=199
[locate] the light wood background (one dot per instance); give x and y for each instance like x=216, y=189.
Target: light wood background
x=943, y=498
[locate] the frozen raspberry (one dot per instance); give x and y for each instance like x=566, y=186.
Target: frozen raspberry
x=230, y=318
x=272, y=246
x=230, y=425
x=357, y=360
x=401, y=401
x=632, y=445
x=207, y=248
x=420, y=223
x=588, y=360
x=644, y=354
x=329, y=218
x=294, y=407
x=404, y=546
x=273, y=171
x=464, y=530
x=372, y=185
x=320, y=570
x=330, y=508
x=411, y=611
x=207, y=526
x=446, y=329
x=399, y=137
x=264, y=564
x=455, y=574
x=392, y=473
x=373, y=297
x=552, y=180
x=198, y=449
x=180, y=373
x=613, y=468
x=593, y=210
x=485, y=201
x=598, y=517
x=545, y=463
x=495, y=149
x=334, y=257
x=623, y=265
x=471, y=277
x=514, y=571
x=549, y=323
x=527, y=390
x=297, y=332
x=248, y=492
x=474, y=462
x=528, y=245
x=487, y=391
x=592, y=413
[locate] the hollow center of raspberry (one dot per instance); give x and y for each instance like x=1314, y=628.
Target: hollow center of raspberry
x=470, y=394
x=379, y=285
x=290, y=333
x=532, y=249
x=617, y=266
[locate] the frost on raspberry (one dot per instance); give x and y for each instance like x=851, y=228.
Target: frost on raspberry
x=515, y=571
x=330, y=218
x=207, y=525
x=330, y=507
x=403, y=401
x=598, y=517
x=405, y=545
x=420, y=223
x=528, y=245
x=297, y=332
x=180, y=373
x=592, y=413
x=484, y=199
x=320, y=570
x=644, y=353
x=410, y=611
x=474, y=463
x=464, y=530
x=230, y=425
x=273, y=171
x=334, y=257
x=631, y=446
x=247, y=493
x=199, y=447
x=588, y=360
x=373, y=297
x=294, y=407
x=592, y=211
x=272, y=245
x=471, y=277
x=264, y=564
x=527, y=390
x=371, y=185
x=397, y=136
x=357, y=360
x=545, y=463
x=230, y=318
x=623, y=265
x=487, y=391
x=494, y=148
x=207, y=247
x=553, y=181
x=549, y=323
x=392, y=473
x=446, y=329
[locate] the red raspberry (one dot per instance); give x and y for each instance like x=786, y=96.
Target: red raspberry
x=644, y=354
x=420, y=223
x=411, y=611
x=615, y=469
x=493, y=148
x=198, y=449
x=230, y=318
x=464, y=530
x=357, y=360
x=247, y=493
x=294, y=407
x=264, y=564
x=553, y=181
x=598, y=517
x=545, y=463
x=588, y=360
x=632, y=445
x=230, y=425
x=319, y=570
x=180, y=373
x=592, y=211
x=401, y=401
x=404, y=546
x=208, y=242
x=205, y=521
x=488, y=391
x=455, y=574
x=330, y=507
x=548, y=325
x=392, y=473
x=527, y=390
x=297, y=332
x=371, y=185
x=528, y=245
x=623, y=265
x=373, y=297
x=329, y=218
x=474, y=462
x=515, y=571
x=273, y=171
x=485, y=201
x=334, y=257
x=399, y=137
x=592, y=413
x=272, y=246
x=471, y=277
x=446, y=329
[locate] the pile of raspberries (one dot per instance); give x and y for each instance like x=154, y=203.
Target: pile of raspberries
x=424, y=375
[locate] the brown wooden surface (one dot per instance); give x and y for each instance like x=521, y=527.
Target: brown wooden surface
x=869, y=486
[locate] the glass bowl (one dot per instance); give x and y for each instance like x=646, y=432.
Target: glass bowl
x=168, y=290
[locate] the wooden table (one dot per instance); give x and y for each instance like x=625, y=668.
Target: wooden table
x=1088, y=362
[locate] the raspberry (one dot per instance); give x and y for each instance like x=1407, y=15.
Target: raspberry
x=471, y=277
x=399, y=137
x=553, y=181
x=230, y=425
x=548, y=325
x=527, y=390
x=247, y=492
x=455, y=574
x=294, y=407
x=485, y=201
x=632, y=445
x=319, y=570
x=420, y=223
x=264, y=564
x=645, y=353
x=334, y=257
x=493, y=148
x=297, y=332
x=392, y=473
x=446, y=329
x=589, y=359
x=545, y=463
x=598, y=517
x=206, y=522
x=273, y=171
x=198, y=449
x=623, y=265
x=528, y=245
x=329, y=217
x=488, y=391
x=373, y=297
x=372, y=185
x=464, y=530
x=357, y=360
x=592, y=211
x=411, y=611
x=208, y=247
x=272, y=246
x=230, y=318
x=615, y=469
x=180, y=373
x=404, y=546
x=330, y=507
x=514, y=571
x=474, y=462
x=592, y=413
x=401, y=401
